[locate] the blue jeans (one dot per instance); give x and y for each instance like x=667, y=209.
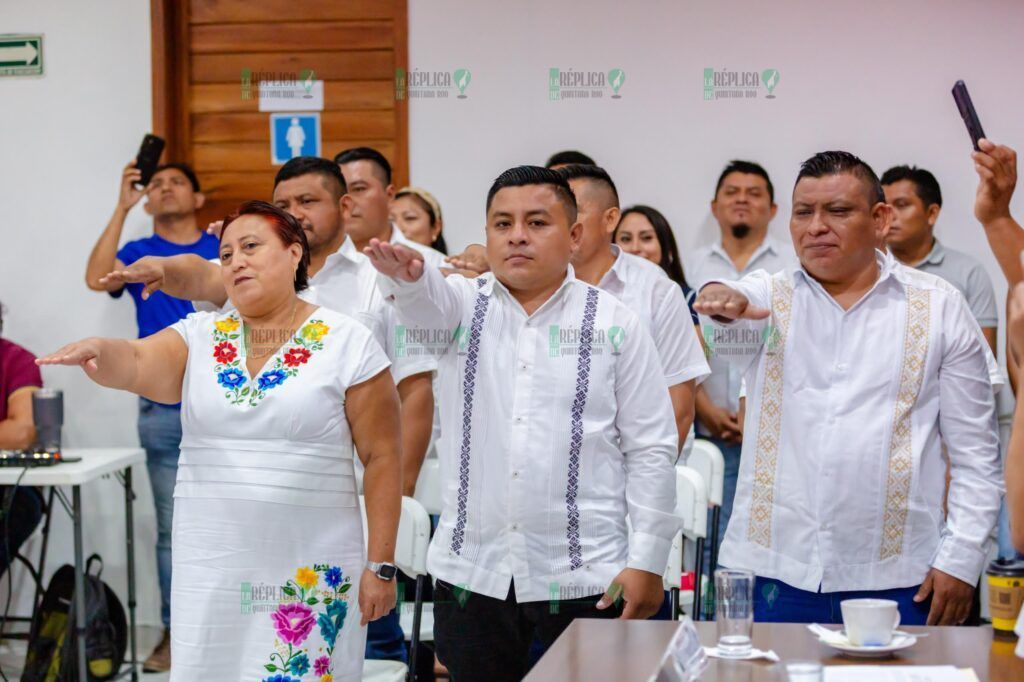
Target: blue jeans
x=160, y=435
x=731, y=454
x=385, y=639
x=777, y=602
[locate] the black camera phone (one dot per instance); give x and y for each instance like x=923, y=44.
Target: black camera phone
x=967, y=112
x=148, y=158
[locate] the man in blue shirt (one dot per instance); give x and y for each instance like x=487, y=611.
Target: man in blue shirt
x=172, y=198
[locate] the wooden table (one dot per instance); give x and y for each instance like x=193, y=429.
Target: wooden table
x=628, y=651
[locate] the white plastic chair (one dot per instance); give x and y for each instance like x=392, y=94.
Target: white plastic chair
x=692, y=509
x=707, y=460
x=384, y=671
x=428, y=486
x=410, y=556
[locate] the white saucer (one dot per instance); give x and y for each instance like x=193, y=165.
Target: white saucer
x=900, y=640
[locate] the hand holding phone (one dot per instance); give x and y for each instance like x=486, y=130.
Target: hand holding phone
x=148, y=158
x=967, y=113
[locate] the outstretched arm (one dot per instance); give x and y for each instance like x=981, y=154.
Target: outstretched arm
x=153, y=367
x=188, y=277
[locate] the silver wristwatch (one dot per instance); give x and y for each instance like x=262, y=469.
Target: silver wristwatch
x=382, y=569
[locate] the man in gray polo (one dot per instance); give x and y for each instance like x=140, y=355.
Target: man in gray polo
x=915, y=195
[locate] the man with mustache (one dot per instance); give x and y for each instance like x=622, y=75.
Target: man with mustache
x=743, y=206
x=559, y=424
x=867, y=371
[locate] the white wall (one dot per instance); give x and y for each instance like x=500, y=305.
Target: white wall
x=63, y=139
x=871, y=77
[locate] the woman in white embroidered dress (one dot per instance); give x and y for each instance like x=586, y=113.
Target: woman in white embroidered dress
x=268, y=547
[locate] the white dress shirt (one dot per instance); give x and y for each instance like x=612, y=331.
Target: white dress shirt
x=431, y=256
x=842, y=476
x=557, y=424
x=709, y=263
x=659, y=302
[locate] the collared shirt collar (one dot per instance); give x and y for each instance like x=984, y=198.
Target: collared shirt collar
x=768, y=245
x=619, y=268
x=346, y=252
x=886, y=266
x=935, y=256
x=559, y=296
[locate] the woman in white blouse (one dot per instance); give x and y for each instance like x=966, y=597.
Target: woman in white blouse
x=275, y=397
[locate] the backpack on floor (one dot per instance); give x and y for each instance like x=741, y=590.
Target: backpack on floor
x=52, y=650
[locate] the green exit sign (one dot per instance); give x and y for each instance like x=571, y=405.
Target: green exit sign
x=21, y=55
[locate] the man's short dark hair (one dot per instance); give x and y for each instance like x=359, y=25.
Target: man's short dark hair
x=522, y=176
x=838, y=163
x=334, y=181
x=592, y=173
x=185, y=169
x=749, y=167
x=569, y=156
x=365, y=154
x=925, y=185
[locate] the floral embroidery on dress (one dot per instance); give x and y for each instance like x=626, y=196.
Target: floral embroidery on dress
x=297, y=352
x=295, y=617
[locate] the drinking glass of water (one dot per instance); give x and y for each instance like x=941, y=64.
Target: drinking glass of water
x=734, y=610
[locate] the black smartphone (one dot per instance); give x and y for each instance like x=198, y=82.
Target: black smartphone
x=148, y=157
x=967, y=113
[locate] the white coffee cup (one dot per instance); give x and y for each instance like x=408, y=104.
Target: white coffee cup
x=870, y=622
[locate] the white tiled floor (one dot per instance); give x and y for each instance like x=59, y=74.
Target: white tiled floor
x=12, y=655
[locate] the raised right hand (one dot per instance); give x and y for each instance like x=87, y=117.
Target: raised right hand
x=215, y=227
x=148, y=270
x=725, y=304
x=395, y=261
x=84, y=353
x=474, y=259
x=130, y=195
x=996, y=166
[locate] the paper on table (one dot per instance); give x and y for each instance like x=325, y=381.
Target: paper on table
x=897, y=673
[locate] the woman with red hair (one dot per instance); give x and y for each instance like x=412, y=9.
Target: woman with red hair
x=276, y=395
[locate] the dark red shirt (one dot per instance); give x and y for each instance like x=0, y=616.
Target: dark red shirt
x=18, y=369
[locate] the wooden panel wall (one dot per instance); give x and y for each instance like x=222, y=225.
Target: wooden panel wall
x=200, y=48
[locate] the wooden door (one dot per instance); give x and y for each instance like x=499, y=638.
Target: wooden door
x=202, y=47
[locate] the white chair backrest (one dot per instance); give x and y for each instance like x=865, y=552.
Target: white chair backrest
x=707, y=460
x=428, y=486
x=691, y=502
x=692, y=510
x=413, y=536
